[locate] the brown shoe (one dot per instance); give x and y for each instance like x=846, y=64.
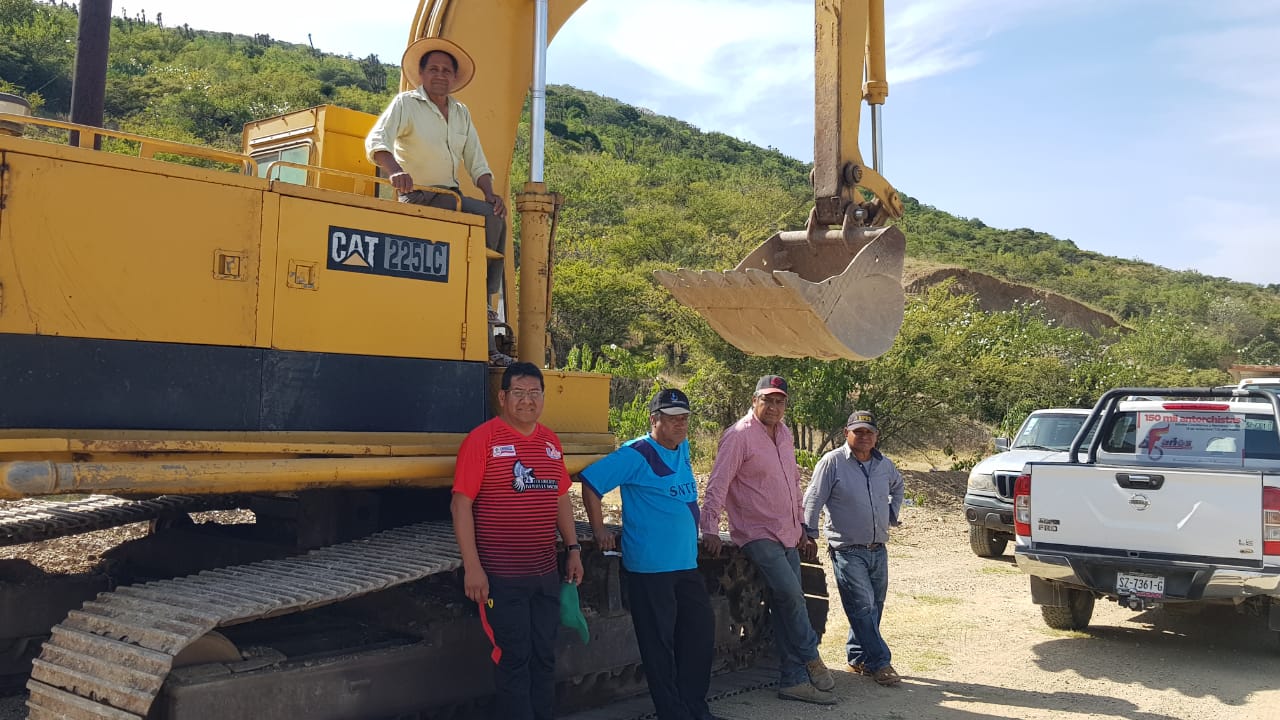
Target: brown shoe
x=859, y=669
x=819, y=676
x=807, y=693
x=886, y=676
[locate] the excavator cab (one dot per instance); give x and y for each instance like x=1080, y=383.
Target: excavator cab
x=834, y=289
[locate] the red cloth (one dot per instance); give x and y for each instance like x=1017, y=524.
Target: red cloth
x=516, y=482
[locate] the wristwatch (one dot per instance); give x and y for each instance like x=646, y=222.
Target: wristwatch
x=571, y=548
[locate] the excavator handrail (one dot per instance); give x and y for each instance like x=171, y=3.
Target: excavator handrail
x=358, y=177
x=147, y=146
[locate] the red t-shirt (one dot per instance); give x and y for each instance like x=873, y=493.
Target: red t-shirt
x=516, y=482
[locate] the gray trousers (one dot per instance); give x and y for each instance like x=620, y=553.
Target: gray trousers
x=495, y=228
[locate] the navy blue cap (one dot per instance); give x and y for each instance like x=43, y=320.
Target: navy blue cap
x=669, y=402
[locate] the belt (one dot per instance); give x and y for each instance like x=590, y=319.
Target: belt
x=868, y=546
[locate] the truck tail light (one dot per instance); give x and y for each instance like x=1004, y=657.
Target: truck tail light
x=1270, y=521
x=1022, y=507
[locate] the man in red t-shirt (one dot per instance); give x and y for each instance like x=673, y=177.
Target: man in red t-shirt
x=510, y=494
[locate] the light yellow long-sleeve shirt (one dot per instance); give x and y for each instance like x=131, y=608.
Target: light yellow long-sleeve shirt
x=430, y=149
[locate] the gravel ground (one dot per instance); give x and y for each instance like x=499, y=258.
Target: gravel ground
x=970, y=645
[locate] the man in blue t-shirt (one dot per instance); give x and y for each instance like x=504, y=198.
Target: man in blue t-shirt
x=670, y=608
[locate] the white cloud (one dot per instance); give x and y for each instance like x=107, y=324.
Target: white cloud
x=1258, y=139
x=720, y=61
x=1236, y=240
x=1241, y=59
x=1235, y=60
x=925, y=38
x=714, y=58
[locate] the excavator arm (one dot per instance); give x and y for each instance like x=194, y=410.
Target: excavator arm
x=838, y=168
x=782, y=299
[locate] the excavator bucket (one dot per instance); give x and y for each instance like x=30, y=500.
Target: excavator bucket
x=783, y=300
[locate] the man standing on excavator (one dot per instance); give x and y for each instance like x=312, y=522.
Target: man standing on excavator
x=424, y=134
x=755, y=479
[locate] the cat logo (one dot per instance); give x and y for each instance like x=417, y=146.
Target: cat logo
x=363, y=251
x=353, y=250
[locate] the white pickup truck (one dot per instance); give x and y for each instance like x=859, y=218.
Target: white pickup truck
x=1176, y=499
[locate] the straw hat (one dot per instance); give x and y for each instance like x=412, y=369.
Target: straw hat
x=414, y=54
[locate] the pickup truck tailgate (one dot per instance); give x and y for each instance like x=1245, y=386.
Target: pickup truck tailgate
x=1194, y=515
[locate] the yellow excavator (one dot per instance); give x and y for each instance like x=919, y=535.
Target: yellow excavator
x=180, y=336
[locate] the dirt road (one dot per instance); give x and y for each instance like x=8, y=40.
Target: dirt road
x=970, y=645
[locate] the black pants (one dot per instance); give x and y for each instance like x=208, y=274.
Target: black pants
x=523, y=622
x=676, y=632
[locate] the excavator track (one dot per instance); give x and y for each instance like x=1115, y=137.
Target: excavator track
x=37, y=520
x=110, y=659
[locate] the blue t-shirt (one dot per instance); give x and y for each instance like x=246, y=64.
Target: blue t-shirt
x=659, y=504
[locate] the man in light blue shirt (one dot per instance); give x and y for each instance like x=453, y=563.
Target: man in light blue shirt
x=670, y=608
x=862, y=492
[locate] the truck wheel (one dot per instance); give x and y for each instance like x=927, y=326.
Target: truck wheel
x=986, y=543
x=1075, y=616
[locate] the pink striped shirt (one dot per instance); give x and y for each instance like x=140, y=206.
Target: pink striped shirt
x=756, y=480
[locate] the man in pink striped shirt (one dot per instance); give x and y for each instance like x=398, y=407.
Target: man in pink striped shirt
x=755, y=479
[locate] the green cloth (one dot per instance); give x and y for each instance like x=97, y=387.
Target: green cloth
x=571, y=611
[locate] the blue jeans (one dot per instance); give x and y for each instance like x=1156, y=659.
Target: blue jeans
x=796, y=641
x=863, y=578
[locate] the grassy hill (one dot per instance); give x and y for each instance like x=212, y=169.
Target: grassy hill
x=647, y=192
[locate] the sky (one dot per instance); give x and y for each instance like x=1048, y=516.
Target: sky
x=1142, y=129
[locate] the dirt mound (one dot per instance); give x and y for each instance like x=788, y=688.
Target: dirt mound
x=937, y=488
x=995, y=295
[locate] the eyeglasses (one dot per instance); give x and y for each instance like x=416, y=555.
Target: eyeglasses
x=863, y=431
x=773, y=399
x=525, y=394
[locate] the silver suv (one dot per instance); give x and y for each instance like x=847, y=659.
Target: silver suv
x=1045, y=436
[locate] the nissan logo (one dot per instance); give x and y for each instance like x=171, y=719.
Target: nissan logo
x=1139, y=502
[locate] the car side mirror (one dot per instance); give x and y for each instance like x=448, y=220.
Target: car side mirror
x=1002, y=444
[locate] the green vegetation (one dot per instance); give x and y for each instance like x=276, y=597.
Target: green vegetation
x=648, y=192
